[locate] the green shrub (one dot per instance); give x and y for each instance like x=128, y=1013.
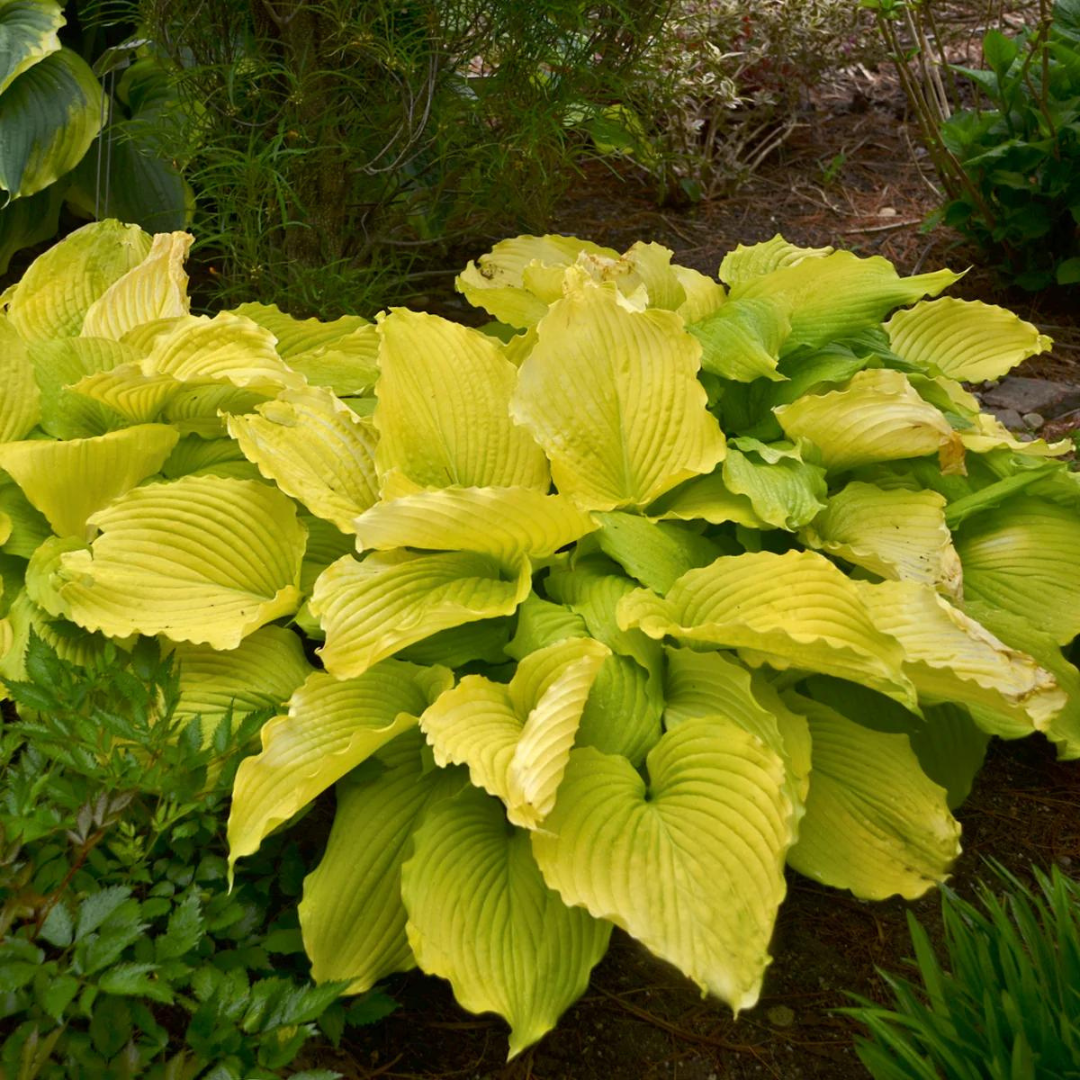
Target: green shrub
x=337, y=148
x=791, y=582
x=1007, y=1001
x=122, y=953
x=75, y=133
x=1011, y=169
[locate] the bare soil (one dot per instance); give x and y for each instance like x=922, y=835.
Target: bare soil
x=850, y=176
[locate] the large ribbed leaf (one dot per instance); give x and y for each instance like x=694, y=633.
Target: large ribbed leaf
x=875, y=823
x=503, y=522
x=481, y=916
x=896, y=533
x=784, y=490
x=370, y=609
x=713, y=685
x=27, y=526
x=749, y=261
x=352, y=916
x=706, y=498
x=155, y=289
x=68, y=481
x=640, y=424
x=948, y=655
x=315, y=449
x=1020, y=633
x=225, y=349
x=52, y=298
x=741, y=341
x=49, y=116
x=965, y=339
x=516, y=737
x=202, y=559
x=332, y=725
x=838, y=294
x=121, y=390
x=63, y=363
x=27, y=34
x=443, y=413
x=691, y=864
x=792, y=610
x=261, y=673
x=20, y=399
x=654, y=553
x=1024, y=557
x=297, y=336
x=498, y=283
x=948, y=743
x=878, y=416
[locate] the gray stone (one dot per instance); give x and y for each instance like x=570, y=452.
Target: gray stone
x=1011, y=419
x=1023, y=395
x=1033, y=420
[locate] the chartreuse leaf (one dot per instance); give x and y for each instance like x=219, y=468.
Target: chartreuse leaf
x=713, y=685
x=50, y=114
x=370, y=609
x=122, y=390
x=352, y=916
x=516, y=738
x=640, y=425
x=741, y=341
x=498, y=285
x=262, y=672
x=655, y=553
x=839, y=294
x=73, y=645
x=28, y=528
x=211, y=457
x=297, y=336
x=948, y=655
x=203, y=408
x=483, y=642
x=623, y=712
x=224, y=349
x=41, y=586
x=1024, y=557
x=443, y=413
x=945, y=739
x=964, y=339
x=749, y=261
x=201, y=559
x=20, y=399
x=704, y=295
x=791, y=610
x=67, y=481
x=1064, y=728
x=988, y=433
x=541, y=623
x=784, y=490
x=332, y=725
x=64, y=362
x=690, y=864
x=5, y=532
x=53, y=296
x=505, y=522
x=706, y=498
x=896, y=533
x=481, y=916
x=155, y=289
x=315, y=449
x=28, y=32
x=875, y=823
x=877, y=416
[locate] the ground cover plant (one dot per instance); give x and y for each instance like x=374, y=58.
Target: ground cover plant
x=122, y=951
x=1005, y=1001
x=788, y=585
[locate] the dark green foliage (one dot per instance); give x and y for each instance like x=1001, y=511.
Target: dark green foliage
x=336, y=147
x=122, y=951
x=1005, y=1005
x=1021, y=156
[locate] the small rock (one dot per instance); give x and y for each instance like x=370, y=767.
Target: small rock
x=1033, y=420
x=887, y=211
x=1011, y=419
x=1064, y=861
x=781, y=1016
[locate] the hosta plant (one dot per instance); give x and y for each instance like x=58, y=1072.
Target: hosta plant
x=660, y=585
